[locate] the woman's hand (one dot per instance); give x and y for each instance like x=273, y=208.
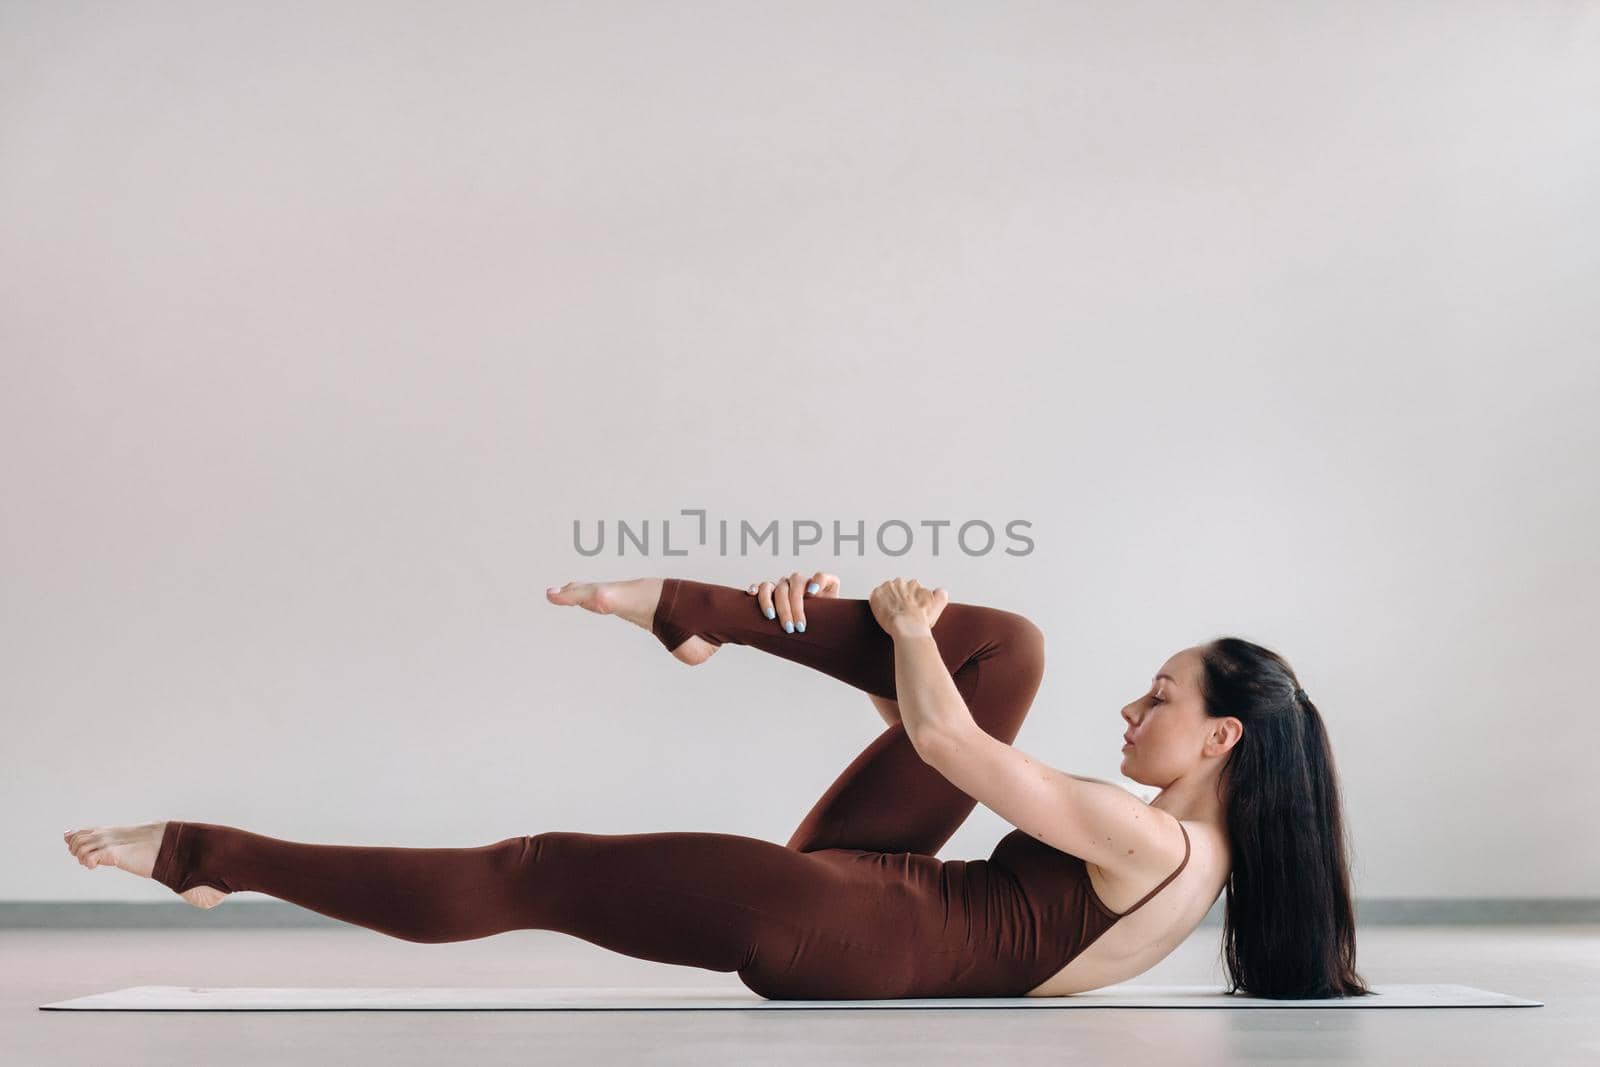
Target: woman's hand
x=905, y=609
x=785, y=598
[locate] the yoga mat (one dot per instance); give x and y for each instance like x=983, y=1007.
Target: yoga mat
x=603, y=998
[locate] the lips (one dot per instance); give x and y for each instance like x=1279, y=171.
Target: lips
x=1128, y=739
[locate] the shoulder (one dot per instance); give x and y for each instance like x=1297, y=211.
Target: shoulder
x=1157, y=841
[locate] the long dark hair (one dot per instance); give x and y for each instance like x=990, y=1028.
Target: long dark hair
x=1289, y=925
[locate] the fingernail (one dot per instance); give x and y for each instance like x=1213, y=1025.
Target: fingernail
x=802, y=626
x=812, y=588
x=771, y=614
x=788, y=627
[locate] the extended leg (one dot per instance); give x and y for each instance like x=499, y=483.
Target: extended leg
x=888, y=799
x=790, y=923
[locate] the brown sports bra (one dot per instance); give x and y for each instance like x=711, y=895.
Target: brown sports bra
x=1069, y=914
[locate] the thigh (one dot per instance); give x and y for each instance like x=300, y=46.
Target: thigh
x=888, y=799
x=824, y=924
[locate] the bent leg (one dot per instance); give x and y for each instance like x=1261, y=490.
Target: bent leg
x=790, y=923
x=888, y=799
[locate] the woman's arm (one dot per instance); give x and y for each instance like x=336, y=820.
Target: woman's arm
x=889, y=709
x=932, y=706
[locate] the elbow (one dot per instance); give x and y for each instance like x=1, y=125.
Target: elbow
x=934, y=742
x=916, y=737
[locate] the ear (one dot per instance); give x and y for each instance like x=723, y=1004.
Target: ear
x=1225, y=733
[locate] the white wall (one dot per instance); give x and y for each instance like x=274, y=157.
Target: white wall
x=323, y=322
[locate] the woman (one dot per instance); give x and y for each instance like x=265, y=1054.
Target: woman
x=1093, y=887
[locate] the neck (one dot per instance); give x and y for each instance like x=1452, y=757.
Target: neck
x=1192, y=799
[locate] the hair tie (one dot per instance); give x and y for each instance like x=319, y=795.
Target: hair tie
x=1300, y=694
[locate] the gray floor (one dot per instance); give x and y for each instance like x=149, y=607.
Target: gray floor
x=1558, y=964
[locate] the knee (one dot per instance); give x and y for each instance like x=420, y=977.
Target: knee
x=530, y=848
x=1022, y=643
x=1017, y=663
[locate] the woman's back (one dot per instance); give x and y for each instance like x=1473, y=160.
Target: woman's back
x=1111, y=930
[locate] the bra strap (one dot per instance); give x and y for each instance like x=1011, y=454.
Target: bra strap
x=1168, y=878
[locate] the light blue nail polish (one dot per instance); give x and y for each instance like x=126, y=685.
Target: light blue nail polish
x=788, y=627
x=771, y=614
x=802, y=627
x=812, y=588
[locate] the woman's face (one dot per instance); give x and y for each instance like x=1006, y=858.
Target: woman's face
x=1167, y=724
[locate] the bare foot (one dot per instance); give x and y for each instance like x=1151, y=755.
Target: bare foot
x=132, y=849
x=634, y=600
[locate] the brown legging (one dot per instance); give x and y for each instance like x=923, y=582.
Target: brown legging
x=855, y=906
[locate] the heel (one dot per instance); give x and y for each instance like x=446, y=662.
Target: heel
x=668, y=632
x=694, y=651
